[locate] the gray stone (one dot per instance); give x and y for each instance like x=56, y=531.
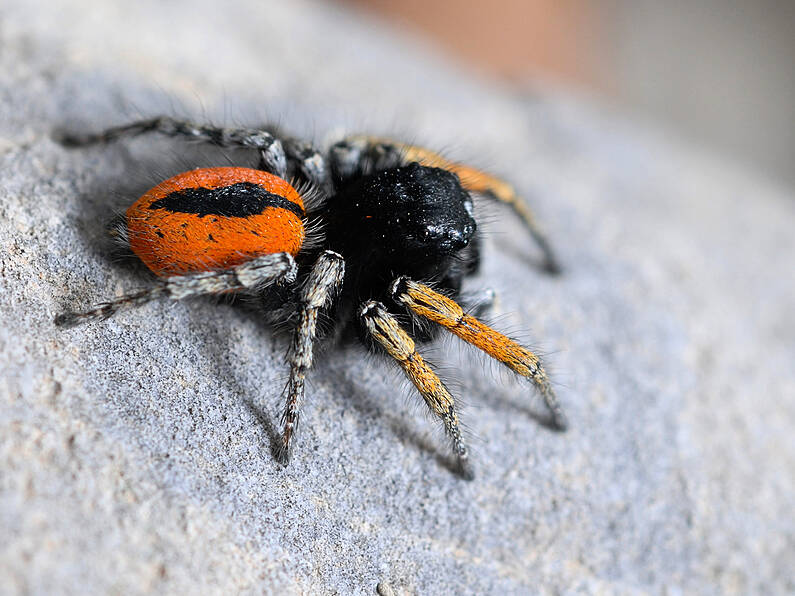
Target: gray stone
x=135, y=454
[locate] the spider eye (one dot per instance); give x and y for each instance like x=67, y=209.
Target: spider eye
x=447, y=238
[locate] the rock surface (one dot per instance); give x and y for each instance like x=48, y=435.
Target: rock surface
x=135, y=454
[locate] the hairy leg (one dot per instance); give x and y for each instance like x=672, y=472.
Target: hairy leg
x=252, y=276
x=272, y=156
x=324, y=281
x=427, y=303
x=385, y=330
x=311, y=164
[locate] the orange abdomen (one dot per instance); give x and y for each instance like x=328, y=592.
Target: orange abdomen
x=215, y=218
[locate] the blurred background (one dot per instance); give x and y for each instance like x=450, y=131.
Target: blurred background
x=717, y=72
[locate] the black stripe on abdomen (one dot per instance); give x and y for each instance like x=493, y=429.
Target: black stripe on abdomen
x=242, y=199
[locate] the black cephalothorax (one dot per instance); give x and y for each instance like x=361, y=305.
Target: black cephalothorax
x=414, y=220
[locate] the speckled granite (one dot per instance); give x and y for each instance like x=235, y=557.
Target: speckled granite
x=135, y=454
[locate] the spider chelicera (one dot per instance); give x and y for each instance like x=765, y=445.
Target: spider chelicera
x=378, y=223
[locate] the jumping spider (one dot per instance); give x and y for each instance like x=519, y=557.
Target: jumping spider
x=397, y=228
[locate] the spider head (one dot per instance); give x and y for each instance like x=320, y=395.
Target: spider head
x=411, y=213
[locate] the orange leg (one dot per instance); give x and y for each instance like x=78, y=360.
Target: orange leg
x=427, y=303
x=385, y=330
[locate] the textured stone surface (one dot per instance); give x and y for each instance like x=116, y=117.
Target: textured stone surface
x=135, y=454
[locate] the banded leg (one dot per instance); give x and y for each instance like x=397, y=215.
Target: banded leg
x=346, y=158
x=361, y=156
x=252, y=276
x=384, y=329
x=427, y=303
x=272, y=155
x=472, y=179
x=323, y=283
x=311, y=163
